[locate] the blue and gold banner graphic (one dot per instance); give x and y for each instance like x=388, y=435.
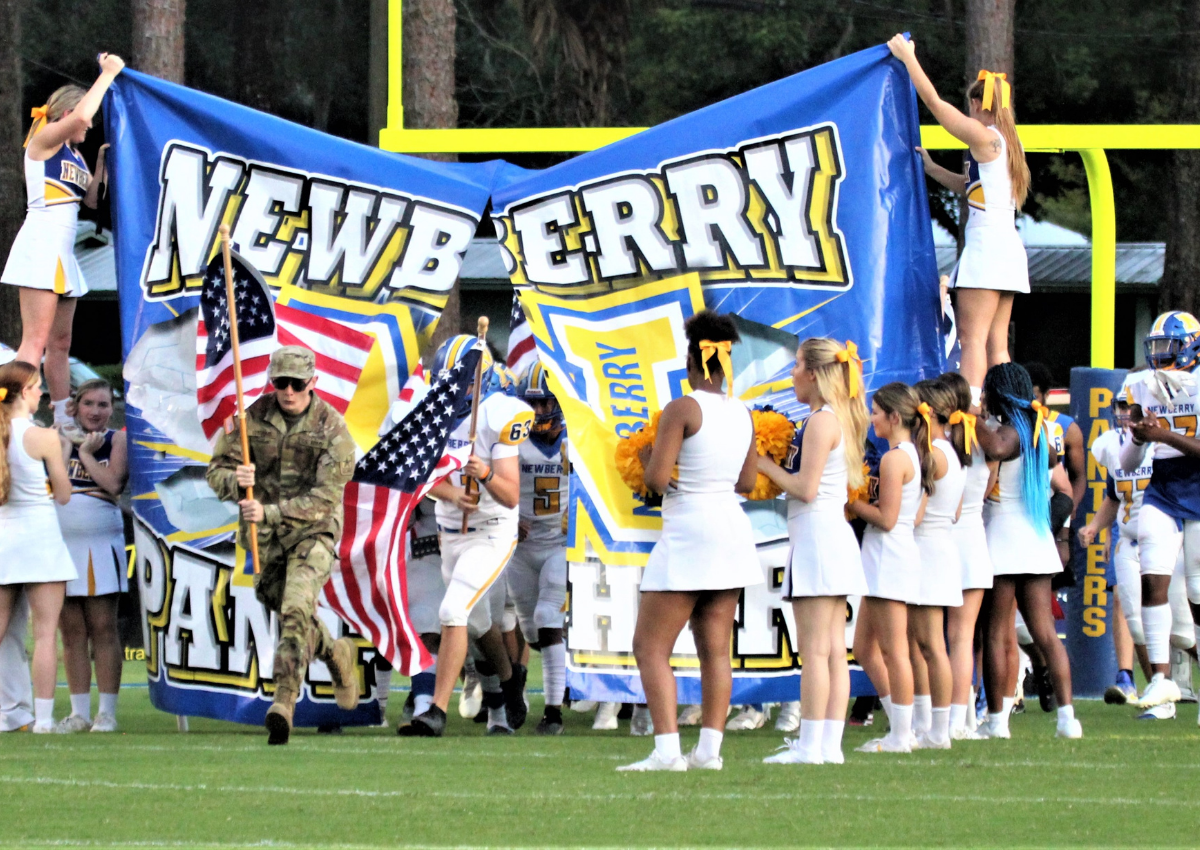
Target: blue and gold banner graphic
x=341, y=233
x=800, y=207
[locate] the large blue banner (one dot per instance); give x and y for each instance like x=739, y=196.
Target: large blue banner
x=801, y=208
x=341, y=233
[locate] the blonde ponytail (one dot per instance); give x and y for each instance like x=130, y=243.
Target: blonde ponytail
x=14, y=377
x=1004, y=117
x=64, y=99
x=836, y=374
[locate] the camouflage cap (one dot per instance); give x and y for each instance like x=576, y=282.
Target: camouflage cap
x=292, y=361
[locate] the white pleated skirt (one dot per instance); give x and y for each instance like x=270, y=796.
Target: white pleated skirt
x=707, y=543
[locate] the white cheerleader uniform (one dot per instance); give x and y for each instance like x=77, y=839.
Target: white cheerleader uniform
x=1016, y=545
x=968, y=533
x=707, y=541
x=994, y=255
x=825, y=560
x=941, y=567
x=43, y=254
x=32, y=550
x=93, y=530
x=890, y=559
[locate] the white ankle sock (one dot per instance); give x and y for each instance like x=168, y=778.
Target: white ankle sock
x=902, y=716
x=421, y=703
x=1156, y=623
x=831, y=739
x=81, y=704
x=958, y=717
x=667, y=746
x=496, y=716
x=1066, y=713
x=976, y=394
x=108, y=704
x=554, y=672
x=1008, y=703
x=43, y=711
x=812, y=733
x=710, y=743
x=922, y=718
x=886, y=702
x=383, y=687
x=939, y=729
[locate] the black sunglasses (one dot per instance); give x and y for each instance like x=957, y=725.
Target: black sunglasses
x=297, y=384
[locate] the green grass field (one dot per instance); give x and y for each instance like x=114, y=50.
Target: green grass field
x=219, y=785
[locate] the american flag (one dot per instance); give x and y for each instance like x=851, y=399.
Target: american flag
x=522, y=350
x=216, y=391
x=341, y=350
x=369, y=587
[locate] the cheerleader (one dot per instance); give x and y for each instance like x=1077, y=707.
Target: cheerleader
x=1022, y=549
x=824, y=566
x=706, y=553
x=941, y=568
x=891, y=560
x=94, y=531
x=42, y=259
x=976, y=565
x=993, y=266
x=32, y=553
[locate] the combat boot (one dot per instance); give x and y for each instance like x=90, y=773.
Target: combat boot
x=279, y=723
x=342, y=669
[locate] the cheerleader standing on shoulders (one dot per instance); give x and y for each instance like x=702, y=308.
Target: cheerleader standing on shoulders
x=970, y=538
x=94, y=532
x=891, y=561
x=1022, y=548
x=993, y=266
x=941, y=568
x=706, y=553
x=32, y=553
x=42, y=259
x=824, y=566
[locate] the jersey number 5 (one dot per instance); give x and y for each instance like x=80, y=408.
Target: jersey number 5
x=546, y=496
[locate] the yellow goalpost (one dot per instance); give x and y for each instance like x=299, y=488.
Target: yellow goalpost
x=1090, y=141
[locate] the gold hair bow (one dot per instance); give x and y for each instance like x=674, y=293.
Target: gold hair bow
x=1041, y=411
x=707, y=349
x=968, y=423
x=990, y=78
x=849, y=356
x=3, y=393
x=927, y=414
x=40, y=113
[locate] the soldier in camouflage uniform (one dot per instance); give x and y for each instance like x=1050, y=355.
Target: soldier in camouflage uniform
x=301, y=458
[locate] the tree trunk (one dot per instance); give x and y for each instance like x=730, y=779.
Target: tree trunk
x=989, y=37
x=1180, y=285
x=12, y=177
x=429, y=100
x=158, y=38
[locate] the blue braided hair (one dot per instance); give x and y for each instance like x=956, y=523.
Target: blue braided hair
x=1009, y=393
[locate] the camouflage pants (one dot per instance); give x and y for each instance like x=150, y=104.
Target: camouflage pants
x=289, y=585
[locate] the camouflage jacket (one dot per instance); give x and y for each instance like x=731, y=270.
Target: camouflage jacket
x=299, y=474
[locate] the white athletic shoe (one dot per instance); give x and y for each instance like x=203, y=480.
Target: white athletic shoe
x=104, y=723
x=471, y=698
x=928, y=742
x=43, y=729
x=72, y=723
x=694, y=763
x=748, y=718
x=1166, y=711
x=988, y=730
x=640, y=725
x=1071, y=729
x=653, y=762
x=886, y=744
x=583, y=706
x=606, y=717
x=1159, y=690
x=789, y=717
x=690, y=716
x=962, y=733
x=790, y=753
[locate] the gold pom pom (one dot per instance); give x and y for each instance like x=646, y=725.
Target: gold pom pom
x=773, y=434
x=629, y=464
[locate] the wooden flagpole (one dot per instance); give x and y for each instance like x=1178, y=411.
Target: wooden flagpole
x=230, y=297
x=470, y=484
